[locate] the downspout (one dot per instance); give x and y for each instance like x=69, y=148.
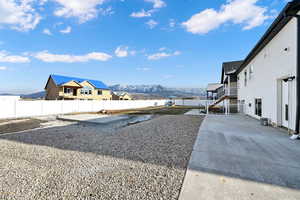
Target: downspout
x=298, y=77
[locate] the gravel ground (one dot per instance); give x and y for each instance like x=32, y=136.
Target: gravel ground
x=143, y=161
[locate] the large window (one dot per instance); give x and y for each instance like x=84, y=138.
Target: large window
x=258, y=107
x=86, y=90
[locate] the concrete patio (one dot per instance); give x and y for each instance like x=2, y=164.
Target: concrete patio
x=234, y=157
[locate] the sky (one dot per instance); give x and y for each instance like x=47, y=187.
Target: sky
x=175, y=43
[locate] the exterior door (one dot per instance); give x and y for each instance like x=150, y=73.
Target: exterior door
x=285, y=104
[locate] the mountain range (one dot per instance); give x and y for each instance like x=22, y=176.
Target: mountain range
x=146, y=91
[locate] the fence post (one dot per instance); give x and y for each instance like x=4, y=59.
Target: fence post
x=15, y=108
x=42, y=107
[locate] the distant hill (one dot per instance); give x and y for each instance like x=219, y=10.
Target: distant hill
x=37, y=95
x=161, y=91
x=140, y=92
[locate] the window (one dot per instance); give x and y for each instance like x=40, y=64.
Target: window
x=86, y=90
x=99, y=92
x=245, y=78
x=258, y=107
x=251, y=72
x=286, y=112
x=68, y=90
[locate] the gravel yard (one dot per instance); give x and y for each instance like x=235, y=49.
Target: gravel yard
x=8, y=126
x=143, y=161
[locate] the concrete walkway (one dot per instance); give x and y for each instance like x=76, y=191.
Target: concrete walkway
x=235, y=158
x=194, y=112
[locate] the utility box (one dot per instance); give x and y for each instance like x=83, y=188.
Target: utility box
x=264, y=121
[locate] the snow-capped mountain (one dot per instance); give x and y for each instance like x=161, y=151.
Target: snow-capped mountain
x=159, y=90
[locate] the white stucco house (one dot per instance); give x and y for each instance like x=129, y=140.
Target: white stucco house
x=269, y=78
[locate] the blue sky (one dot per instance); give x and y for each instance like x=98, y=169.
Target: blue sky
x=177, y=43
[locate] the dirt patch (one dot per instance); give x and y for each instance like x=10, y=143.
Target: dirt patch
x=21, y=125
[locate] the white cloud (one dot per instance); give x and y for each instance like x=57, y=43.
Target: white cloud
x=47, y=31
x=7, y=58
x=157, y=3
x=133, y=52
x=42, y=2
x=244, y=12
x=142, y=13
x=18, y=15
x=107, y=11
x=143, y=69
x=162, y=49
x=2, y=68
x=84, y=10
x=172, y=23
x=176, y=53
x=67, y=30
x=151, y=23
x=158, y=56
x=48, y=57
x=121, y=51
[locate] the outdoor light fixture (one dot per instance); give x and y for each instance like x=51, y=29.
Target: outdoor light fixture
x=291, y=78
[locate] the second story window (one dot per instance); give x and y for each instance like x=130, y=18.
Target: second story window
x=251, y=72
x=245, y=78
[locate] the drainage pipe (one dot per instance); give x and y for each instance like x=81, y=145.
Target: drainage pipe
x=298, y=77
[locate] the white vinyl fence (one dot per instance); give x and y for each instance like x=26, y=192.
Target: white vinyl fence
x=17, y=109
x=200, y=103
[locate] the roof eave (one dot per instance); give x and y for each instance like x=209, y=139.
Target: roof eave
x=272, y=31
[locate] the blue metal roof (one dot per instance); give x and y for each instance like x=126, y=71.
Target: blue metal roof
x=60, y=80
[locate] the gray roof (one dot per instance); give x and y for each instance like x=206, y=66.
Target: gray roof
x=232, y=67
x=213, y=86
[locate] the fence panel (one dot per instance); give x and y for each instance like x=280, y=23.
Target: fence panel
x=200, y=103
x=16, y=109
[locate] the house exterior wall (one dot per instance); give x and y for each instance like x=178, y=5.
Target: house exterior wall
x=52, y=90
x=270, y=66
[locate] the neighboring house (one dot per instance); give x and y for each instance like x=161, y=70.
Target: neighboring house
x=212, y=90
x=123, y=96
x=226, y=92
x=115, y=96
x=269, y=78
x=71, y=88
